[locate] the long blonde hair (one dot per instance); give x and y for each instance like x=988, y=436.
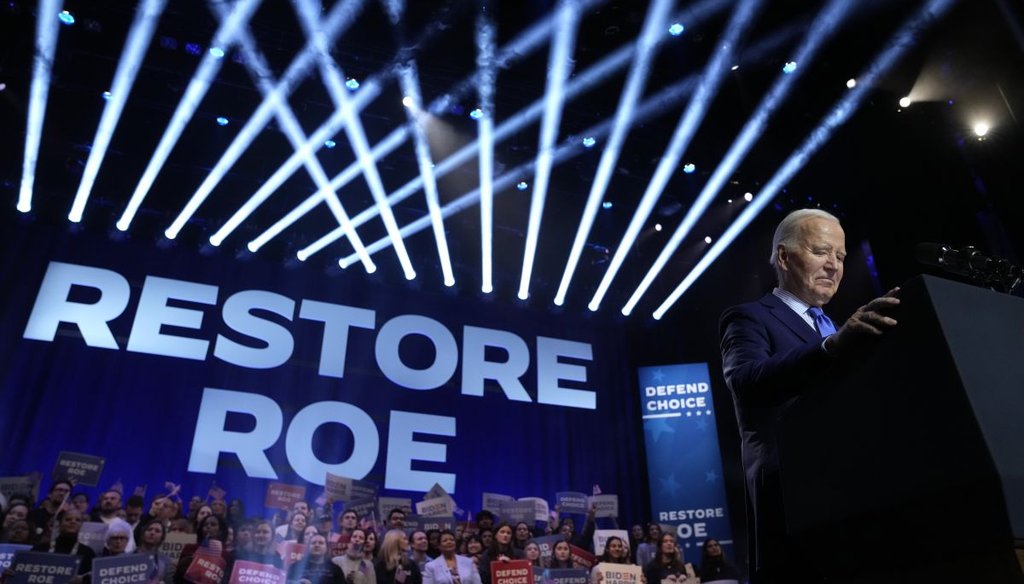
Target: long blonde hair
x=390, y=551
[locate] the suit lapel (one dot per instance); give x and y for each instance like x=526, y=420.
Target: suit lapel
x=792, y=320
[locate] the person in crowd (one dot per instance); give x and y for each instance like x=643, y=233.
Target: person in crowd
x=81, y=502
x=636, y=537
x=646, y=551
x=263, y=548
x=243, y=538
x=370, y=547
x=219, y=508
x=133, y=508
x=18, y=531
x=396, y=519
x=180, y=525
x=69, y=523
x=393, y=564
x=316, y=567
x=355, y=567
x=116, y=539
x=418, y=545
x=347, y=522
x=531, y=551
x=501, y=550
x=193, y=507
x=487, y=538
x=153, y=534
x=474, y=547
x=584, y=540
x=293, y=531
x=301, y=507
x=110, y=504
x=16, y=512
x=324, y=524
x=520, y=535
x=48, y=507
x=202, y=512
x=212, y=535
x=434, y=542
x=667, y=563
x=484, y=520
x=236, y=512
x=615, y=552
x=713, y=565
x=449, y=568
x=561, y=556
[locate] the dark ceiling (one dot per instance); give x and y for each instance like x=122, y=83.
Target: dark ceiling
x=894, y=177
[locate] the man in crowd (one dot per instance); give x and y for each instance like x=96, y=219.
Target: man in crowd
x=396, y=519
x=778, y=347
x=48, y=507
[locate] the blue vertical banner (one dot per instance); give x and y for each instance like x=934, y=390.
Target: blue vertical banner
x=684, y=463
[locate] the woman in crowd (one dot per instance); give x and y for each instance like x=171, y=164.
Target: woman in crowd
x=393, y=564
x=153, y=535
x=667, y=563
x=521, y=535
x=561, y=556
x=449, y=568
x=615, y=552
x=80, y=501
x=17, y=531
x=355, y=568
x=116, y=540
x=434, y=542
x=486, y=538
x=294, y=530
x=636, y=537
x=180, y=525
x=315, y=567
x=236, y=512
x=531, y=551
x=714, y=566
x=263, y=549
x=501, y=550
x=202, y=512
x=418, y=544
x=646, y=550
x=212, y=534
x=370, y=547
x=16, y=512
x=243, y=538
x=66, y=542
x=474, y=548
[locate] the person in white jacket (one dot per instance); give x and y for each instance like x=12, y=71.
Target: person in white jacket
x=449, y=568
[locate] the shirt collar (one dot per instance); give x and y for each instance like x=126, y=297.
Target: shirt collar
x=789, y=299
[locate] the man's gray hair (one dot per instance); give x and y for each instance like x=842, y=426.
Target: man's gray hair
x=789, y=229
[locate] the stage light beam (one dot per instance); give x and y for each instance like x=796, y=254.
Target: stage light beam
x=485, y=43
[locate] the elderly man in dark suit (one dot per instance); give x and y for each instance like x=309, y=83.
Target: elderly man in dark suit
x=775, y=349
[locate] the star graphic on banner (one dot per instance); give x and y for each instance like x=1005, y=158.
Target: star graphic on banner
x=699, y=412
x=670, y=485
x=711, y=476
x=658, y=427
x=701, y=424
x=688, y=414
x=709, y=412
x=658, y=375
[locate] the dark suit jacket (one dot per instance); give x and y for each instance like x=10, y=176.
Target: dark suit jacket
x=770, y=356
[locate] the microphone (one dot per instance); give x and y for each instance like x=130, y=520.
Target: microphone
x=969, y=262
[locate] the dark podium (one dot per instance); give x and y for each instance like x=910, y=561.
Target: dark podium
x=910, y=467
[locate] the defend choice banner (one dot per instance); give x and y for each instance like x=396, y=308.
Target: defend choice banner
x=684, y=463
x=123, y=569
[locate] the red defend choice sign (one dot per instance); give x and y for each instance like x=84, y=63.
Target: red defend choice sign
x=253, y=573
x=282, y=496
x=512, y=572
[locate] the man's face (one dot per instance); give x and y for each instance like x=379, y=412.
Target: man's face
x=396, y=520
x=132, y=514
x=58, y=492
x=813, y=267
x=163, y=508
x=349, y=520
x=110, y=502
x=419, y=541
x=300, y=507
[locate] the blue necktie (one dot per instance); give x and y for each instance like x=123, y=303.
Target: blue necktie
x=822, y=322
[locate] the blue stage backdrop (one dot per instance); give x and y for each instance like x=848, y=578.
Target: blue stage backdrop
x=177, y=366
x=684, y=463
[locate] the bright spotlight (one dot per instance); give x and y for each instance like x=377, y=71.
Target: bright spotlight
x=476, y=114
x=657, y=226
x=689, y=168
x=330, y=143
x=851, y=83
x=707, y=239
x=217, y=52
x=607, y=204
x=107, y=95
x=407, y=101
x=589, y=142
x=905, y=102
x=734, y=67
x=748, y=197
x=222, y=121
x=789, y=67
x=352, y=84
x=676, y=29
x=981, y=128
x=66, y=17
x=522, y=185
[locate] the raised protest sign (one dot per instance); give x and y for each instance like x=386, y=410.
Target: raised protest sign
x=601, y=537
x=337, y=488
x=361, y=507
x=20, y=485
x=291, y=552
x=175, y=542
x=516, y=511
x=439, y=523
x=246, y=572
x=620, y=573
x=435, y=492
x=43, y=568
x=7, y=551
x=512, y=572
x=206, y=568
x=364, y=490
x=547, y=545
x=413, y=522
x=571, y=502
x=540, y=508
x=93, y=534
x=606, y=505
x=122, y=569
x=282, y=496
x=80, y=469
x=581, y=558
x=386, y=504
x=493, y=502
x=437, y=507
x=554, y=576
